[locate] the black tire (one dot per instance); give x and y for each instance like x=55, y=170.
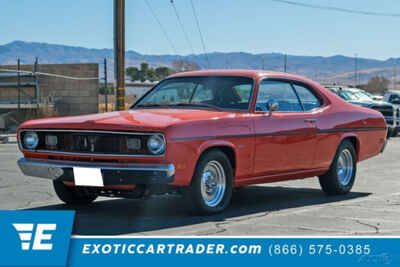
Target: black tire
x=395, y=132
x=330, y=182
x=389, y=133
x=72, y=196
x=194, y=193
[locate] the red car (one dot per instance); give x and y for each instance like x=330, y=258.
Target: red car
x=203, y=134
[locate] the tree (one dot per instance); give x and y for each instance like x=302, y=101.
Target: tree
x=110, y=89
x=148, y=73
x=162, y=72
x=151, y=75
x=377, y=85
x=144, y=71
x=184, y=65
x=133, y=73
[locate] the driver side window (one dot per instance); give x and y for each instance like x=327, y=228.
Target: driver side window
x=280, y=92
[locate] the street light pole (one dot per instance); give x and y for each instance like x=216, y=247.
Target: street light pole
x=285, y=63
x=119, y=52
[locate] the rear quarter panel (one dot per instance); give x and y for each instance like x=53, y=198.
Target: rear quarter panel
x=345, y=120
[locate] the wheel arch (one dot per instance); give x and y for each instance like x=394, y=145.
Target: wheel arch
x=226, y=147
x=353, y=138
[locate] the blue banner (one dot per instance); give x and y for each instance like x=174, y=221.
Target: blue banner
x=43, y=238
x=235, y=251
x=35, y=238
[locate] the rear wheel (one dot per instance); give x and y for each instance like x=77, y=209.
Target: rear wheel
x=340, y=178
x=395, y=132
x=72, y=195
x=211, y=188
x=389, y=133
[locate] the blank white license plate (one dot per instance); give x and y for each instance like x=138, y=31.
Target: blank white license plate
x=88, y=177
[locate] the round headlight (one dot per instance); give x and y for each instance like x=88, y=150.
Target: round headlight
x=156, y=144
x=31, y=140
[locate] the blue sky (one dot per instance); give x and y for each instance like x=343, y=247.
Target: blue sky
x=255, y=26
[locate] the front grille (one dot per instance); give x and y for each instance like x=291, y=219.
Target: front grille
x=386, y=111
x=91, y=142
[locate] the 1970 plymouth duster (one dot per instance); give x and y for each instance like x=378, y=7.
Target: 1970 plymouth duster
x=203, y=134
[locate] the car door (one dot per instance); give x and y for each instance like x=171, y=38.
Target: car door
x=285, y=138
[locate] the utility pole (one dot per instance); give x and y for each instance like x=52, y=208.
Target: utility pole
x=263, y=65
x=395, y=75
x=119, y=52
x=105, y=85
x=355, y=70
x=36, y=76
x=19, y=83
x=285, y=63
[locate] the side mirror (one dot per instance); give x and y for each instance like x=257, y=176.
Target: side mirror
x=272, y=106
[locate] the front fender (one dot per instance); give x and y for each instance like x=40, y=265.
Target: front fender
x=215, y=143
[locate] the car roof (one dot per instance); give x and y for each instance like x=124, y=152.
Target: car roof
x=393, y=92
x=345, y=88
x=255, y=74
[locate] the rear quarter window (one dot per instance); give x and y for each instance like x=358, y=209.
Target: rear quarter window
x=308, y=99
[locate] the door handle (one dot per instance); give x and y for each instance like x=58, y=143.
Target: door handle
x=310, y=120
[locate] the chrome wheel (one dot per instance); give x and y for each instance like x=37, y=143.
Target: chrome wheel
x=345, y=166
x=213, y=183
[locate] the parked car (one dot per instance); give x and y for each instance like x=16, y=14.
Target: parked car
x=393, y=97
x=377, y=97
x=360, y=97
x=202, y=134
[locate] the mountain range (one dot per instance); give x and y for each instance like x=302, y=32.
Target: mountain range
x=339, y=69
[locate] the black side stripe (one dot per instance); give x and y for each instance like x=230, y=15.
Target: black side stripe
x=334, y=130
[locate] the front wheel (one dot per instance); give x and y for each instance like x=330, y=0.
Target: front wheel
x=211, y=188
x=71, y=195
x=340, y=178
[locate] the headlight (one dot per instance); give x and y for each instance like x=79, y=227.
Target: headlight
x=51, y=140
x=133, y=143
x=156, y=144
x=31, y=140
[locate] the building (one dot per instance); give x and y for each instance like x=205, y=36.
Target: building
x=55, y=87
x=137, y=88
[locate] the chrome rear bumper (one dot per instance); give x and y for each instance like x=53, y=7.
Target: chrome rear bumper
x=113, y=174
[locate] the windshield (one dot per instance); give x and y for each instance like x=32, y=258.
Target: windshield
x=346, y=95
x=354, y=95
x=363, y=96
x=217, y=92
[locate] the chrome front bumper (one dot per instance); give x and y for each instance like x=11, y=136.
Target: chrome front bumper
x=113, y=174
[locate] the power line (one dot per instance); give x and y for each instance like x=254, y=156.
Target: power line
x=201, y=35
x=161, y=27
x=182, y=27
x=51, y=75
x=345, y=10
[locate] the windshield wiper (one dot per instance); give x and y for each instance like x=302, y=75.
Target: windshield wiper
x=151, y=106
x=197, y=105
x=204, y=105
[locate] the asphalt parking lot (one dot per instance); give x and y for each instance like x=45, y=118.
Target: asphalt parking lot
x=289, y=208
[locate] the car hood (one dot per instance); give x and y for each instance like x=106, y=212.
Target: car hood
x=372, y=103
x=139, y=119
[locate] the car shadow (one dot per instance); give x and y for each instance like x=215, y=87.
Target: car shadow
x=125, y=216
